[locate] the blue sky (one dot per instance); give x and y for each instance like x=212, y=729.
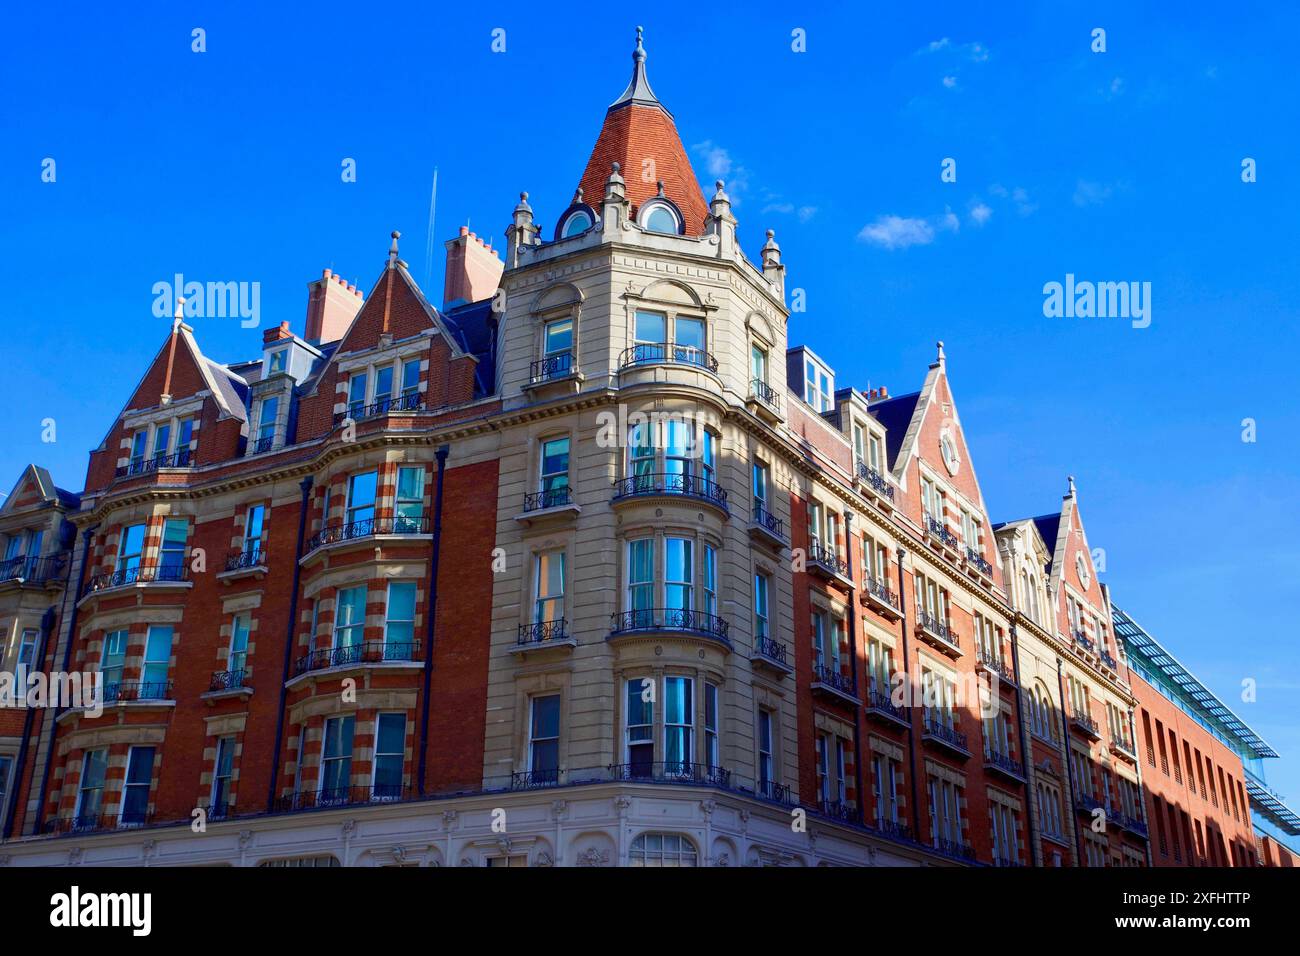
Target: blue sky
x=1115, y=166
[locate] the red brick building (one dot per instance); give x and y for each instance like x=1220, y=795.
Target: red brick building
x=589, y=566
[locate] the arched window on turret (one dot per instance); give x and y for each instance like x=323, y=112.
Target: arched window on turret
x=660, y=215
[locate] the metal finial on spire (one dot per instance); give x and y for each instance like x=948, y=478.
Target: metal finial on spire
x=392, y=250
x=638, y=89
x=940, y=358
x=1071, y=479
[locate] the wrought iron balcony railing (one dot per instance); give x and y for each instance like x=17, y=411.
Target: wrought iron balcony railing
x=552, y=498
x=245, y=559
x=940, y=530
x=342, y=797
x=823, y=556
x=1086, y=724
x=557, y=366
x=264, y=444
x=366, y=652
x=1107, y=660
x=954, y=848
x=880, y=591
x=1123, y=746
x=669, y=619
x=771, y=790
x=673, y=771
x=168, y=573
x=357, y=411
x=945, y=734
x=96, y=823
x=654, y=353
x=979, y=561
x=691, y=486
x=875, y=480
x=773, y=650
x=393, y=524
x=993, y=662
x=228, y=680
x=938, y=628
x=838, y=810
x=220, y=811
x=769, y=522
x=1005, y=763
x=766, y=394
x=893, y=829
x=540, y=632
x=831, y=676
x=143, y=466
x=884, y=704
x=1082, y=641
x=535, y=779
x=137, y=690
x=33, y=570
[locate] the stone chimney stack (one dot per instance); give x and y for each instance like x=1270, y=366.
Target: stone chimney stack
x=473, y=270
x=332, y=304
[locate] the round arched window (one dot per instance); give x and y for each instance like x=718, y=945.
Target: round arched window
x=1082, y=569
x=659, y=217
x=948, y=449
x=577, y=223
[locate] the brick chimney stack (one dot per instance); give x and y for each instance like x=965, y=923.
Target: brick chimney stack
x=332, y=304
x=473, y=270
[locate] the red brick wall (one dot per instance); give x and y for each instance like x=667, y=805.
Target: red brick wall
x=1174, y=804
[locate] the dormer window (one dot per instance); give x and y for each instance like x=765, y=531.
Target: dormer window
x=658, y=215
x=577, y=223
x=818, y=386
x=277, y=362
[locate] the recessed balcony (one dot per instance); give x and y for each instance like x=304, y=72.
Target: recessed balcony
x=672, y=487
x=551, y=503
x=147, y=466
x=938, y=634
x=767, y=527
x=826, y=564
x=543, y=635
x=364, y=654
x=875, y=485
x=392, y=527
x=950, y=738
x=772, y=655
x=764, y=401
x=651, y=621
x=34, y=572
x=1107, y=661
x=1083, y=643
x=833, y=684
x=877, y=596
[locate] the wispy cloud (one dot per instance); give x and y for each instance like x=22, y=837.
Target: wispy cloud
x=1018, y=196
x=899, y=232
x=719, y=165
x=980, y=213
x=975, y=52
x=1088, y=193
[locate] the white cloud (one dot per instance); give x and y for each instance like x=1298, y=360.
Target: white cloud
x=1092, y=194
x=1017, y=195
x=895, y=232
x=807, y=212
x=980, y=213
x=975, y=51
x=719, y=165
x=950, y=82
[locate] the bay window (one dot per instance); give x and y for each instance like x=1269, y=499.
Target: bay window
x=399, y=621
x=639, y=730
x=679, y=725
x=157, y=659
x=349, y=616
x=361, y=501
